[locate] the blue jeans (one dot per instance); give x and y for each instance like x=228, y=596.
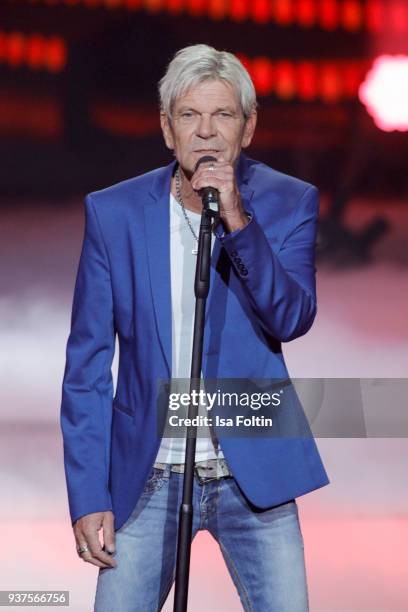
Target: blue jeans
x=263, y=549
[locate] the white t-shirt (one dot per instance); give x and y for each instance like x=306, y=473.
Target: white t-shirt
x=183, y=265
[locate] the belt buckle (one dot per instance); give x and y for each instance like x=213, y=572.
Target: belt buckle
x=204, y=479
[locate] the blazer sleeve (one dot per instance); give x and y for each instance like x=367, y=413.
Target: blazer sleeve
x=281, y=287
x=87, y=388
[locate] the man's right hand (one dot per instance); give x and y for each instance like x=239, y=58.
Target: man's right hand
x=86, y=533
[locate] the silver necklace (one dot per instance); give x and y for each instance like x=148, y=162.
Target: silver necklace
x=187, y=218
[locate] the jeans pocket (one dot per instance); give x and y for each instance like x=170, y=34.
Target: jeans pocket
x=154, y=481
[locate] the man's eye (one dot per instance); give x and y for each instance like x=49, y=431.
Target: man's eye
x=224, y=114
x=186, y=115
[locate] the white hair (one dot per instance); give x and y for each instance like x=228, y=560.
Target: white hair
x=197, y=63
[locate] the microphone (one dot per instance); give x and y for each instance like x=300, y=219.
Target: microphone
x=209, y=195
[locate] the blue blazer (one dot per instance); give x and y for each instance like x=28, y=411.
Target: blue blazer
x=262, y=293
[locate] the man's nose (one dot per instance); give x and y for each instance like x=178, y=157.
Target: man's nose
x=206, y=126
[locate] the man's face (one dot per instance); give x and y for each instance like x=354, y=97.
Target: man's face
x=207, y=120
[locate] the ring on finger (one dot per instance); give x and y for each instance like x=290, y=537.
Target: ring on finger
x=82, y=549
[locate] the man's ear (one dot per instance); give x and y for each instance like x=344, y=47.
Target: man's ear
x=166, y=129
x=249, y=129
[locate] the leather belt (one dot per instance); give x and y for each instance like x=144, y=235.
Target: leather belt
x=205, y=470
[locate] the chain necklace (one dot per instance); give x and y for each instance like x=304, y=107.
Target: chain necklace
x=187, y=218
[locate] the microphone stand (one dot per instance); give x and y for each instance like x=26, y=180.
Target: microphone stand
x=201, y=288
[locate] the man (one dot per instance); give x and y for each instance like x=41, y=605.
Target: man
x=135, y=279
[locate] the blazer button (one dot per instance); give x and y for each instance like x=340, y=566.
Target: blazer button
x=237, y=260
x=234, y=253
x=244, y=272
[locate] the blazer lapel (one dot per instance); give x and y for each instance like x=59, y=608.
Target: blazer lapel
x=157, y=220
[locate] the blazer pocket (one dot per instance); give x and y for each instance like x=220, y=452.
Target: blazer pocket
x=122, y=408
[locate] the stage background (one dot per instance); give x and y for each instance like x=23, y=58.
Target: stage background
x=78, y=112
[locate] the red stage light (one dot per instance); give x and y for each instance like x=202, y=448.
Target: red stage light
x=44, y=120
x=284, y=12
x=385, y=92
x=328, y=14
x=35, y=51
x=196, y=7
x=352, y=74
x=55, y=55
x=132, y=5
x=352, y=17
x=15, y=48
x=262, y=75
x=399, y=16
x=331, y=81
x=285, y=79
x=217, y=9
x=112, y=4
x=126, y=121
x=261, y=10
x=238, y=10
x=306, y=13
x=153, y=6
x=330, y=87
x=374, y=15
x=307, y=81
x=175, y=6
